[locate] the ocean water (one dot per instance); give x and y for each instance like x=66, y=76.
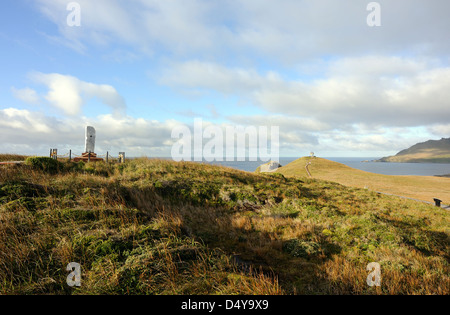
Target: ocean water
x=422, y=169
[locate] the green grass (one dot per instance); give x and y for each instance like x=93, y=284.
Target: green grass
x=160, y=227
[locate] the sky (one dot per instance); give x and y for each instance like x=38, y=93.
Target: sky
x=137, y=69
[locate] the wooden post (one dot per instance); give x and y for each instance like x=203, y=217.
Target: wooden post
x=89, y=157
x=70, y=155
x=107, y=157
x=437, y=202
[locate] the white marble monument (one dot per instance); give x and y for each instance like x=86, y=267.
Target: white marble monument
x=89, y=154
x=90, y=139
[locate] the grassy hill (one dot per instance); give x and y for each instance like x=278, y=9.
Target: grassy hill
x=419, y=187
x=432, y=151
x=160, y=227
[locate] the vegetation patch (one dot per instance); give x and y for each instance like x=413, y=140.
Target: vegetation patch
x=299, y=248
x=160, y=227
x=45, y=164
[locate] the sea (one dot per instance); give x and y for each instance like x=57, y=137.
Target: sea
x=360, y=163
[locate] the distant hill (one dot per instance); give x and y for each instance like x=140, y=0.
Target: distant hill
x=431, y=151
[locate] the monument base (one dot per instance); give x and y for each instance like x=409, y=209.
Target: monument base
x=86, y=157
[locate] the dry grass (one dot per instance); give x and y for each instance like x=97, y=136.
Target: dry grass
x=419, y=187
x=12, y=157
x=159, y=227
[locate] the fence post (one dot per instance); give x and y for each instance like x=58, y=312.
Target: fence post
x=122, y=157
x=107, y=157
x=54, y=154
x=89, y=157
x=437, y=202
x=70, y=155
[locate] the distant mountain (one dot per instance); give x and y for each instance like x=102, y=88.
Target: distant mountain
x=431, y=151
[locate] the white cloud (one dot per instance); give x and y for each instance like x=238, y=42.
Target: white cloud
x=26, y=95
x=440, y=130
x=144, y=24
x=30, y=132
x=70, y=94
x=288, y=31
x=419, y=99
x=33, y=131
x=208, y=75
x=373, y=90
x=284, y=122
x=344, y=103
x=22, y=121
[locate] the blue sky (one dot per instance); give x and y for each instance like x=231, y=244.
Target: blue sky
x=135, y=69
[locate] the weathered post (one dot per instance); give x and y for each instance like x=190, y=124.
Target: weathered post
x=54, y=154
x=437, y=202
x=89, y=157
x=70, y=155
x=121, y=157
x=107, y=157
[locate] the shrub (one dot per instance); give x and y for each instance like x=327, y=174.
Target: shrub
x=45, y=164
x=299, y=248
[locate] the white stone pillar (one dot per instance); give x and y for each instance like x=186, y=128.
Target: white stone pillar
x=90, y=139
